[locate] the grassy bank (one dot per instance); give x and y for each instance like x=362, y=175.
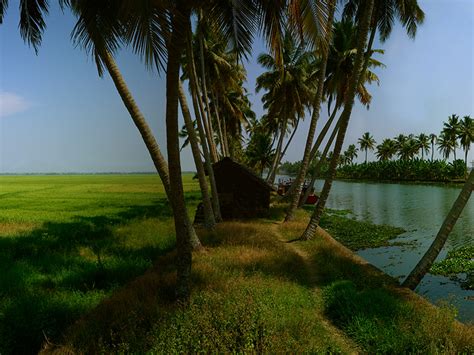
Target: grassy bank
x=254, y=291
x=87, y=265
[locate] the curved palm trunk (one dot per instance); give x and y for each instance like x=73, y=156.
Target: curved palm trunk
x=209, y=220
x=345, y=117
x=466, y=152
x=319, y=165
x=145, y=131
x=314, y=121
x=276, y=161
x=290, y=139
x=314, y=150
x=199, y=111
x=432, y=253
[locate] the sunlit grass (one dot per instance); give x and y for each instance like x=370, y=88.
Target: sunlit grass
x=67, y=242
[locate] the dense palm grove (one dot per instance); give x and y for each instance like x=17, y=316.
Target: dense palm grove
x=406, y=157
x=315, y=58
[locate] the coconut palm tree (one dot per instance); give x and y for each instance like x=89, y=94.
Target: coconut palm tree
x=433, y=138
x=366, y=142
x=31, y=23
x=385, y=13
x=451, y=131
x=363, y=30
x=423, y=144
x=288, y=90
x=445, y=145
x=409, y=149
x=433, y=251
x=386, y=150
x=466, y=135
x=341, y=63
x=316, y=107
x=351, y=153
x=259, y=151
x=339, y=66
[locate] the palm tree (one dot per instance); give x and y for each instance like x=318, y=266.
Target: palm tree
x=366, y=142
x=288, y=92
x=433, y=138
x=149, y=26
x=386, y=150
x=209, y=220
x=363, y=30
x=259, y=152
x=316, y=106
x=351, y=153
x=423, y=144
x=451, y=131
x=341, y=63
x=385, y=13
x=433, y=251
x=445, y=145
x=409, y=148
x=466, y=135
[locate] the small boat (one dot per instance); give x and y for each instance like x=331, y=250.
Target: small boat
x=285, y=184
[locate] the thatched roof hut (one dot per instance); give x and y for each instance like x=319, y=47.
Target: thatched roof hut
x=242, y=194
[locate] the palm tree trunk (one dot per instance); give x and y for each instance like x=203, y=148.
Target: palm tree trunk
x=314, y=121
x=320, y=164
x=466, y=151
x=345, y=117
x=432, y=150
x=209, y=220
x=199, y=111
x=432, y=253
x=366, y=150
x=219, y=127
x=314, y=150
x=183, y=242
x=276, y=160
x=290, y=139
x=208, y=121
x=226, y=141
x=159, y=161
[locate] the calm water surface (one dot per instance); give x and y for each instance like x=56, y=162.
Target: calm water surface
x=420, y=210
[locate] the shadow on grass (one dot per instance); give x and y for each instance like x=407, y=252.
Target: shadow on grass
x=54, y=274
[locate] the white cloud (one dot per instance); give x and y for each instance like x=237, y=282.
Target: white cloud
x=11, y=103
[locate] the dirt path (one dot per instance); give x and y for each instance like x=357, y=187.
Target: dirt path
x=311, y=268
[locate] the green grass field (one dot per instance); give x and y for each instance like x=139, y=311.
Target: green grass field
x=67, y=242
x=87, y=265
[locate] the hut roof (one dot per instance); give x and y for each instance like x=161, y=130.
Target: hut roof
x=228, y=162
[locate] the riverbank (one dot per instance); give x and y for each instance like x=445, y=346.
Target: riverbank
x=254, y=291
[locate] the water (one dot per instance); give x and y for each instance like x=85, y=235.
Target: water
x=420, y=210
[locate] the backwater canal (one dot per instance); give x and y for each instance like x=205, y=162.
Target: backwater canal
x=420, y=210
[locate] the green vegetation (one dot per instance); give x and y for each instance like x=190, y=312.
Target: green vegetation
x=458, y=261
x=405, y=170
x=72, y=259
x=67, y=242
x=357, y=234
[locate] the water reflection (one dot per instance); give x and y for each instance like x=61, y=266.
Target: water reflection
x=420, y=209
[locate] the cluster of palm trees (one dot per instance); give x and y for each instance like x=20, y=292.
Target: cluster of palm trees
x=200, y=46
x=456, y=133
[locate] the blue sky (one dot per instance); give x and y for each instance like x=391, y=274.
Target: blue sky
x=57, y=115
